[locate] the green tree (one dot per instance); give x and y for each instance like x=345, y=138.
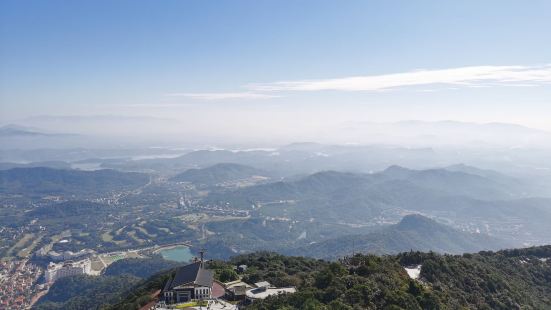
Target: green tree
x=228, y=275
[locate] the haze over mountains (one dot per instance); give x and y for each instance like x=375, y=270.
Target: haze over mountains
x=310, y=187
x=469, y=202
x=413, y=232
x=108, y=184
x=275, y=155
x=15, y=131
x=105, y=130
x=275, y=202
x=221, y=173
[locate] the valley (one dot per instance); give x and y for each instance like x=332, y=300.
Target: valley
x=275, y=155
x=94, y=218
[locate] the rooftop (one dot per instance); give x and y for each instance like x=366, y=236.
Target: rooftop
x=192, y=274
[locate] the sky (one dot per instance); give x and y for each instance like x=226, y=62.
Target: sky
x=236, y=67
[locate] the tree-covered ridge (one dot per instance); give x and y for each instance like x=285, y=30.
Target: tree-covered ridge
x=360, y=282
x=352, y=198
x=140, y=267
x=412, y=232
x=218, y=173
x=510, y=279
x=86, y=292
x=48, y=181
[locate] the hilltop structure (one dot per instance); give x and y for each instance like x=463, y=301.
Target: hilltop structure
x=191, y=282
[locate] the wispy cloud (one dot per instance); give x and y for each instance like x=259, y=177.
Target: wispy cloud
x=464, y=76
x=429, y=80
x=223, y=96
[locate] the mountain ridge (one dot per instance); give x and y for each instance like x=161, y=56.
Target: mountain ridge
x=43, y=180
x=219, y=173
x=414, y=232
x=506, y=279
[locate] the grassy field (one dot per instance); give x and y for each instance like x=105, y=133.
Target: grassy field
x=132, y=234
x=164, y=229
x=25, y=252
x=107, y=237
x=133, y=255
x=143, y=230
x=192, y=304
x=111, y=258
x=97, y=265
x=20, y=244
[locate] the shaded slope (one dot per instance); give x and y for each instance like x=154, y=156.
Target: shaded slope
x=414, y=232
x=48, y=181
x=218, y=173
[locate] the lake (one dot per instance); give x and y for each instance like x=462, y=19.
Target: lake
x=178, y=254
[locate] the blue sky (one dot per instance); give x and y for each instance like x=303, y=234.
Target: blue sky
x=276, y=60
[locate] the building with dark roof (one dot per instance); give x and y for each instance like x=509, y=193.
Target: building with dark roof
x=191, y=282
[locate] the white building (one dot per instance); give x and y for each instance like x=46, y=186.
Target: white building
x=264, y=289
x=58, y=271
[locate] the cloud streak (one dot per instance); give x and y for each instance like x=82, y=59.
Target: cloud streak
x=223, y=96
x=429, y=80
x=465, y=76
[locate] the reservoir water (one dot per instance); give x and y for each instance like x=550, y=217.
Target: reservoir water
x=177, y=254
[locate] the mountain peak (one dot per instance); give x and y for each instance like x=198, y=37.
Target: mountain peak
x=396, y=171
x=414, y=221
x=17, y=130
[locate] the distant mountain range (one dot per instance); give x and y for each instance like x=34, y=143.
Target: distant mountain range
x=410, y=133
x=20, y=131
x=468, y=126
x=395, y=185
x=48, y=164
x=413, y=232
x=288, y=160
x=16, y=137
x=219, y=173
x=467, y=182
x=444, y=133
x=48, y=181
x=354, y=199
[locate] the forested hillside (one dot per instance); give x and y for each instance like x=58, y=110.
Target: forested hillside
x=85, y=292
x=510, y=279
x=48, y=181
x=413, y=232
x=218, y=173
x=93, y=292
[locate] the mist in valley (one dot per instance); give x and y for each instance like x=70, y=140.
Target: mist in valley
x=366, y=138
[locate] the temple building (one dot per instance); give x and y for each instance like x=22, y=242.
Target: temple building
x=191, y=282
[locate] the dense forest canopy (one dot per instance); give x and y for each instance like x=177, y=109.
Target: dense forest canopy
x=510, y=279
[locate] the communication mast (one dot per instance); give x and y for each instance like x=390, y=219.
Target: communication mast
x=202, y=255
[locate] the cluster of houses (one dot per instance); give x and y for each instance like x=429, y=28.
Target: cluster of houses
x=17, y=284
x=195, y=283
